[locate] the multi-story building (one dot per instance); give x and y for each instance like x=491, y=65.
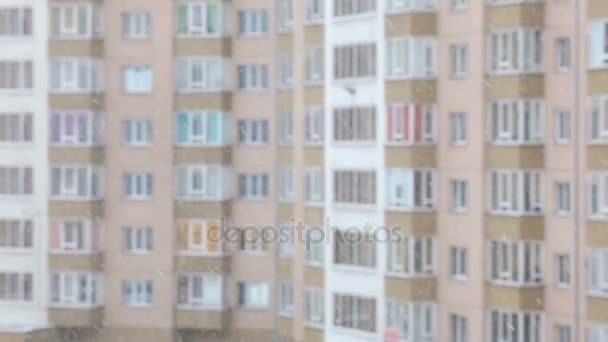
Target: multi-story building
x=145, y=146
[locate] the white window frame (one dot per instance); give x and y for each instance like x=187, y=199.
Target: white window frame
x=459, y=128
x=507, y=192
x=210, y=188
x=314, y=70
x=142, y=81
x=138, y=240
x=16, y=128
x=251, y=288
x=252, y=22
x=252, y=77
x=412, y=320
x=138, y=293
x=16, y=233
x=68, y=241
x=286, y=183
x=563, y=54
x=314, y=186
x=199, y=27
x=315, y=11
x=136, y=25
x=94, y=21
x=201, y=74
x=355, y=187
x=562, y=271
x=598, y=272
x=598, y=111
x=508, y=55
x=66, y=288
x=203, y=298
x=508, y=125
x=138, y=132
x=460, y=195
x=256, y=186
x=355, y=62
x=138, y=185
x=504, y=320
x=16, y=181
x=459, y=263
x=410, y=256
x=18, y=21
x=65, y=75
x=314, y=125
x=16, y=76
x=314, y=307
x=562, y=198
x=509, y=257
x=562, y=127
x=314, y=253
x=286, y=293
x=410, y=6
x=459, y=328
x=459, y=57
x=248, y=127
x=15, y=285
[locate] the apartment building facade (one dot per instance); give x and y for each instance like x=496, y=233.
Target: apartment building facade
x=143, y=144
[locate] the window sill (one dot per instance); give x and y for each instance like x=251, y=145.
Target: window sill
x=354, y=206
x=201, y=199
x=75, y=253
x=76, y=306
x=253, y=308
x=369, y=336
x=597, y=293
x=200, y=91
x=353, y=144
x=404, y=143
x=252, y=90
x=518, y=285
x=138, y=306
x=412, y=210
x=399, y=275
x=368, y=271
x=314, y=143
x=75, y=199
x=186, y=36
x=459, y=278
x=314, y=264
x=313, y=22
x=354, y=17
x=411, y=11
x=19, y=251
x=313, y=325
x=515, y=214
x=357, y=81
x=75, y=145
x=516, y=144
x=75, y=92
x=202, y=145
x=18, y=144
x=499, y=73
x=463, y=211
x=314, y=83
x=201, y=254
x=83, y=38
x=393, y=78
x=194, y=307
x=317, y=205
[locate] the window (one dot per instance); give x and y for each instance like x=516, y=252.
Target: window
x=75, y=182
x=460, y=195
x=286, y=183
x=253, y=131
x=598, y=332
x=598, y=272
x=314, y=125
x=138, y=185
x=598, y=195
x=285, y=15
x=253, y=23
x=196, y=74
x=355, y=124
x=70, y=75
x=352, y=312
x=202, y=182
x=314, y=253
x=355, y=61
x=355, y=187
x=513, y=326
x=286, y=70
x=459, y=268
x=411, y=57
x=76, y=129
x=400, y=6
x=16, y=128
x=505, y=46
x=76, y=289
x=197, y=128
x=15, y=21
x=563, y=197
x=459, y=128
x=253, y=186
x=75, y=20
x=136, y=25
x=411, y=256
x=137, y=132
x=344, y=8
x=459, y=54
x=313, y=186
x=138, y=240
x=516, y=122
x=516, y=263
x=562, y=127
x=286, y=128
x=562, y=58
x=253, y=77
x=16, y=286
x=516, y=192
x=138, y=293
x=137, y=79
x=286, y=299
x=411, y=321
x=16, y=233
x=459, y=5
x=459, y=328
x=196, y=236
x=197, y=19
x=17, y=75
x=252, y=241
x=411, y=189
x=200, y=291
x=314, y=307
x=562, y=333
x=314, y=61
x=599, y=119
x=314, y=11
x=598, y=44
x=253, y=295
x=562, y=266
x=16, y=180
x=354, y=248
x=75, y=235
x=409, y=123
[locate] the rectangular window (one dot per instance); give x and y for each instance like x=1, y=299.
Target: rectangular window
x=75, y=20
x=252, y=242
x=459, y=263
x=76, y=129
x=458, y=128
x=313, y=186
x=195, y=128
x=15, y=21
x=409, y=123
x=411, y=189
x=413, y=321
x=516, y=122
x=513, y=326
x=598, y=195
x=202, y=182
x=200, y=19
x=562, y=267
x=16, y=181
x=562, y=333
x=353, y=312
x=253, y=77
x=460, y=5
x=314, y=11
x=198, y=237
x=16, y=233
x=199, y=74
x=599, y=119
x=598, y=272
x=286, y=128
x=314, y=65
x=16, y=75
x=314, y=253
x=460, y=195
x=285, y=15
x=411, y=57
x=355, y=61
x=516, y=51
x=72, y=75
x=345, y=8
x=138, y=185
x=74, y=235
x=286, y=183
x=598, y=44
x=253, y=23
x=137, y=132
x=253, y=186
x=138, y=293
x=314, y=307
x=75, y=182
x=16, y=286
x=562, y=58
x=253, y=295
x=253, y=132
x=286, y=70
x=138, y=240
x=355, y=124
x=286, y=299
x=136, y=25
x=459, y=54
x=354, y=248
x=16, y=128
x=401, y=6
x=516, y=263
x=516, y=192
x=598, y=332
x=459, y=328
x=76, y=289
x=563, y=198
x=200, y=291
x=355, y=187
x=562, y=127
x=411, y=256
x=137, y=79
x=314, y=125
